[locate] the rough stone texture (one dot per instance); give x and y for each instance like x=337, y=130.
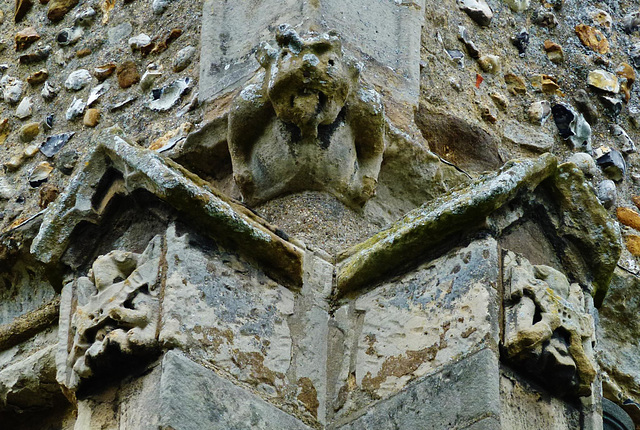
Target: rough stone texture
x=617, y=351
x=411, y=326
x=465, y=395
x=232, y=406
x=242, y=318
x=428, y=226
x=416, y=55
x=526, y=408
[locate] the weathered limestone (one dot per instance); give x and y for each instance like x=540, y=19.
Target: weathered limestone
x=384, y=31
x=548, y=328
x=114, y=312
x=122, y=169
x=315, y=126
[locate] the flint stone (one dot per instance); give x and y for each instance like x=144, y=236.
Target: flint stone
x=28, y=132
x=612, y=104
x=611, y=162
x=539, y=112
x=139, y=41
x=463, y=36
x=6, y=190
x=631, y=22
x=572, y=126
x=159, y=6
x=163, y=99
x=49, y=92
x=626, y=145
x=518, y=5
x=69, y=36
x=183, y=58
x=586, y=108
x=521, y=41
x=527, y=137
x=85, y=17
x=25, y=108
x=585, y=162
x=59, y=8
x=12, y=89
x=96, y=93
x=78, y=80
x=478, y=10
x=76, y=109
x=604, y=81
x=607, y=193
x=53, y=144
x=40, y=173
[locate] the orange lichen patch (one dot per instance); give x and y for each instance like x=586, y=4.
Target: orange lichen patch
x=399, y=366
x=629, y=217
x=308, y=396
x=213, y=337
x=633, y=244
x=592, y=38
x=627, y=78
x=254, y=362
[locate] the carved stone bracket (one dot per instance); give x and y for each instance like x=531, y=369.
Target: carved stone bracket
x=307, y=122
x=547, y=328
x=110, y=315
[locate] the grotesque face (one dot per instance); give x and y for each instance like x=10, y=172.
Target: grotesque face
x=309, y=79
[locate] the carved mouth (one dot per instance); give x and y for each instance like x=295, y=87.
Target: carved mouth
x=322, y=102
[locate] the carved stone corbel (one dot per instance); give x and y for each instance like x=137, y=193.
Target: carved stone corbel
x=548, y=331
x=306, y=122
x=110, y=316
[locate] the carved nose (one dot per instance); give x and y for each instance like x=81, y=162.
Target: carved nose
x=310, y=60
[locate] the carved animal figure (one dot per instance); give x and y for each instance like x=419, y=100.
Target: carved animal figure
x=117, y=312
x=306, y=122
x=547, y=329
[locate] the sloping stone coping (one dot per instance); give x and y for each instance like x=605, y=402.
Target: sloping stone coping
x=216, y=215
x=429, y=226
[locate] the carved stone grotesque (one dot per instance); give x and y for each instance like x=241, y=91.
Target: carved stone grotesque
x=547, y=330
x=116, y=316
x=306, y=122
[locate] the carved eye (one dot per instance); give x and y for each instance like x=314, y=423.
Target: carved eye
x=331, y=62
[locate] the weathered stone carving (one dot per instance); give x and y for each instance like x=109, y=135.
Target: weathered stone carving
x=306, y=123
x=547, y=329
x=117, y=314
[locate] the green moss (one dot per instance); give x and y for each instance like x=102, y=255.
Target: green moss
x=430, y=225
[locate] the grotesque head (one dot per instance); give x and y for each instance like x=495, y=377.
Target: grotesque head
x=309, y=79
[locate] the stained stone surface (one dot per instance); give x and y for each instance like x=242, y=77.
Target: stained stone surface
x=462, y=395
x=216, y=404
x=410, y=326
x=22, y=290
x=236, y=318
x=525, y=408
